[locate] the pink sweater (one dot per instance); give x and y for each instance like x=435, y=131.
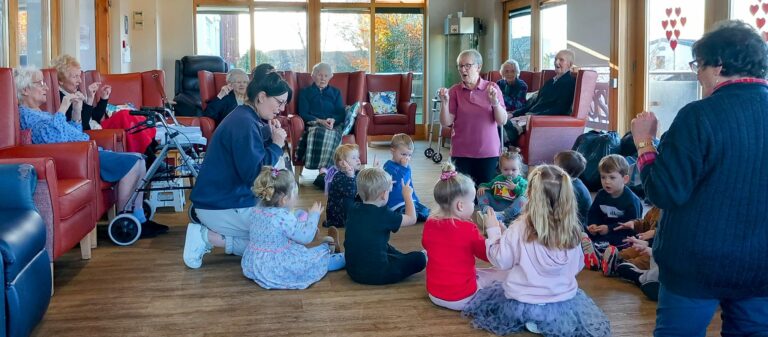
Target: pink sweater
x=475, y=132
x=536, y=274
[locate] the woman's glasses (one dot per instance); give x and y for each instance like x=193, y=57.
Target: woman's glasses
x=280, y=103
x=694, y=66
x=466, y=65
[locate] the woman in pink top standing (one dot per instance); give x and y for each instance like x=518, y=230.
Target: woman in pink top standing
x=542, y=253
x=475, y=109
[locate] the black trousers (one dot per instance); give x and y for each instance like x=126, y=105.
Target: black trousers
x=511, y=135
x=481, y=170
x=401, y=265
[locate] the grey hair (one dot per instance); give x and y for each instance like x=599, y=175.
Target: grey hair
x=234, y=72
x=473, y=53
x=512, y=63
x=322, y=66
x=22, y=77
x=570, y=55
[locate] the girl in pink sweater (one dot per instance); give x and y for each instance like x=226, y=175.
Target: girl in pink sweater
x=541, y=252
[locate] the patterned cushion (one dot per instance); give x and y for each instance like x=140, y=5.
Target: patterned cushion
x=384, y=102
x=349, y=120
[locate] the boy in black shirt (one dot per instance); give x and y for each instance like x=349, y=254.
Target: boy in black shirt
x=614, y=204
x=370, y=259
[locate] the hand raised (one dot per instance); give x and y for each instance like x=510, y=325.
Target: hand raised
x=644, y=126
x=93, y=88
x=407, y=190
x=106, y=91
x=490, y=220
x=625, y=225
x=442, y=93
x=492, y=96
x=224, y=91
x=278, y=134
x=317, y=207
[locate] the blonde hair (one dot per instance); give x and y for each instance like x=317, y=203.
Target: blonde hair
x=63, y=63
x=401, y=139
x=451, y=186
x=272, y=185
x=511, y=154
x=551, y=213
x=342, y=151
x=614, y=163
x=371, y=182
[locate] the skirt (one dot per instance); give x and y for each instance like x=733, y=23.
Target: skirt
x=491, y=310
x=113, y=166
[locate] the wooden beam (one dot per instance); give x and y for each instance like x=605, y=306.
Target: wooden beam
x=101, y=7
x=55, y=30
x=13, y=24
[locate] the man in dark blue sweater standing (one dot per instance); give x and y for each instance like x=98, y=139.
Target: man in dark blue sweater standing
x=708, y=177
x=246, y=140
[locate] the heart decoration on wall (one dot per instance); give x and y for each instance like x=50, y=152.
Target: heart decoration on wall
x=671, y=27
x=760, y=18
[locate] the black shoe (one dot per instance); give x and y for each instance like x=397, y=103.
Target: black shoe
x=651, y=289
x=629, y=272
x=320, y=181
x=153, y=228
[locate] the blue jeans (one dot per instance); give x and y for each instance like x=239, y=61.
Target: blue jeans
x=506, y=210
x=678, y=315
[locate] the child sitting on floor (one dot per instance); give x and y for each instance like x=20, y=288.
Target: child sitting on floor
x=342, y=189
x=276, y=257
x=370, y=257
x=540, y=250
x=647, y=280
x=505, y=193
x=574, y=164
x=398, y=167
x=453, y=242
x=615, y=203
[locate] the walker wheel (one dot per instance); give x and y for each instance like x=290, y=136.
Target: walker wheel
x=437, y=158
x=429, y=152
x=192, y=214
x=124, y=229
x=149, y=212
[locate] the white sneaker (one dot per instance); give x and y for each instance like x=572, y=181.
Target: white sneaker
x=532, y=327
x=195, y=246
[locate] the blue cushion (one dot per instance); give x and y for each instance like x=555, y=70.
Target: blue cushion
x=349, y=119
x=19, y=182
x=383, y=102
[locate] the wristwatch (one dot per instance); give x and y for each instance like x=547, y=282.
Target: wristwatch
x=644, y=143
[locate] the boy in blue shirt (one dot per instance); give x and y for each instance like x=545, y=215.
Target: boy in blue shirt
x=398, y=167
x=614, y=204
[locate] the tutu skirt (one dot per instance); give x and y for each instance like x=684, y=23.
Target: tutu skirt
x=491, y=310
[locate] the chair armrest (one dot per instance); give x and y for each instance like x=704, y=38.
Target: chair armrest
x=361, y=136
x=408, y=109
x=295, y=130
x=73, y=160
x=108, y=139
x=554, y=121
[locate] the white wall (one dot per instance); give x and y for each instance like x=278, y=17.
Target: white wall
x=436, y=59
x=589, y=24
x=176, y=37
x=491, y=12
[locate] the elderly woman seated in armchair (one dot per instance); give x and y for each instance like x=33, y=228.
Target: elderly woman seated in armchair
x=230, y=96
x=322, y=109
x=125, y=169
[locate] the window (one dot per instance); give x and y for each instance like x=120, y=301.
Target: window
x=347, y=1
x=345, y=40
x=400, y=48
x=519, y=44
x=554, y=32
x=87, y=56
x=671, y=32
x=30, y=33
x=225, y=32
x=280, y=37
x=752, y=12
x=3, y=35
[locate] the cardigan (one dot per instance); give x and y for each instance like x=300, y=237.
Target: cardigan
x=555, y=98
x=709, y=179
x=217, y=108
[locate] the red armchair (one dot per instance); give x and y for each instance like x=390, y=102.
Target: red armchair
x=404, y=121
x=210, y=85
x=67, y=174
x=545, y=136
x=525, y=76
x=351, y=87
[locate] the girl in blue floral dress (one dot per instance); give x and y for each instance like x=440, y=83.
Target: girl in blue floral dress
x=276, y=257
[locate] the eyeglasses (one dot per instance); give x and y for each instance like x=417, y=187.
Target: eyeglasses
x=280, y=103
x=694, y=66
x=40, y=84
x=466, y=65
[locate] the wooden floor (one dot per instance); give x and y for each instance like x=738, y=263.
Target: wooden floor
x=145, y=290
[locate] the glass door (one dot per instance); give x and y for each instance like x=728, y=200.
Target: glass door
x=519, y=37
x=671, y=29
